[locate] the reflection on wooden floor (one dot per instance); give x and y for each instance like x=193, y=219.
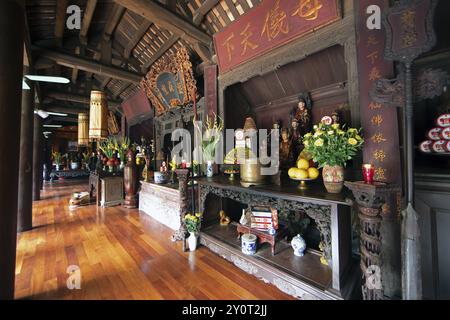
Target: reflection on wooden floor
x=122, y=254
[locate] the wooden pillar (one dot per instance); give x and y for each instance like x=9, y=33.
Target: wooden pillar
x=370, y=199
x=25, y=201
x=183, y=179
x=37, y=156
x=11, y=70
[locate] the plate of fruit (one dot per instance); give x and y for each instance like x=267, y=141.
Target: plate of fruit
x=304, y=171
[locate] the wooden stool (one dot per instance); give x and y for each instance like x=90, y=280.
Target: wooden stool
x=263, y=236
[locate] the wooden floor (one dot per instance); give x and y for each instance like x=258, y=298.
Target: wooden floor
x=122, y=254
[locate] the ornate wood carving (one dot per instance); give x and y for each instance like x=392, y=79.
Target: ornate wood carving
x=320, y=213
x=389, y=92
x=170, y=81
x=183, y=177
x=370, y=199
x=430, y=83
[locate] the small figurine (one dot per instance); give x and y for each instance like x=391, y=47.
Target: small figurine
x=285, y=149
x=163, y=167
x=302, y=114
x=224, y=219
x=336, y=118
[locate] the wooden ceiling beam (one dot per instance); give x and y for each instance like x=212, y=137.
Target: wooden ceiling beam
x=64, y=96
x=64, y=109
x=121, y=89
x=60, y=22
x=113, y=21
x=88, y=65
x=136, y=38
x=158, y=54
x=201, y=12
x=87, y=18
x=160, y=15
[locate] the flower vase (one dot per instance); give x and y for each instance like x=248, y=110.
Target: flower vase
x=209, y=169
x=192, y=240
x=333, y=178
x=58, y=167
x=122, y=165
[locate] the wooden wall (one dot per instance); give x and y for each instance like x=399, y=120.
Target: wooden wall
x=272, y=96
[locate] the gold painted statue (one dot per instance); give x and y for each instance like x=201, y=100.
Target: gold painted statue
x=224, y=219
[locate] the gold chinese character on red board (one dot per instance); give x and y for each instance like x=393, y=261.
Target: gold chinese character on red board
x=409, y=34
x=373, y=57
x=379, y=155
x=378, y=138
x=372, y=41
x=308, y=9
x=246, y=42
x=374, y=74
x=375, y=106
x=230, y=47
x=275, y=23
x=380, y=174
x=377, y=120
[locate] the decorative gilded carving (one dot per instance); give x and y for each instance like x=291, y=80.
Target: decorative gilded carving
x=170, y=82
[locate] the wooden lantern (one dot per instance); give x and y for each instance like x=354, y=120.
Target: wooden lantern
x=83, y=129
x=98, y=117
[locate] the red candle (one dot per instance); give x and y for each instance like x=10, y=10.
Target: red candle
x=368, y=173
x=183, y=164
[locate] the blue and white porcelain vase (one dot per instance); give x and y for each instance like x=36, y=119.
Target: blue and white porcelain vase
x=299, y=245
x=209, y=169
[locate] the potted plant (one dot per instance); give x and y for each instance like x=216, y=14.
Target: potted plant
x=211, y=138
x=331, y=147
x=192, y=223
x=122, y=146
x=107, y=147
x=86, y=159
x=57, y=158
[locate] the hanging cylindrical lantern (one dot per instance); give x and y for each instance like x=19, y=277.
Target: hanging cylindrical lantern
x=98, y=116
x=83, y=129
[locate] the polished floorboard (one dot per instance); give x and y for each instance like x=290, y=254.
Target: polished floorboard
x=122, y=254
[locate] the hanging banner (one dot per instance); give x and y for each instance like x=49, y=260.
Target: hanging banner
x=380, y=123
x=269, y=25
x=211, y=90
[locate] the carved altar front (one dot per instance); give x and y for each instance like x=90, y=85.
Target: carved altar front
x=331, y=213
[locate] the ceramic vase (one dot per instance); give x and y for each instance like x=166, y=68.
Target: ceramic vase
x=58, y=167
x=209, y=169
x=333, y=178
x=192, y=240
x=298, y=245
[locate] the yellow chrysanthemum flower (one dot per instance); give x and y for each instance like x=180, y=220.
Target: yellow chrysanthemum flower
x=335, y=126
x=358, y=137
x=318, y=143
x=306, y=143
x=353, y=141
x=331, y=132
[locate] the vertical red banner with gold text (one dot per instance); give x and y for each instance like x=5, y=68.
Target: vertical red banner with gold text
x=210, y=75
x=380, y=123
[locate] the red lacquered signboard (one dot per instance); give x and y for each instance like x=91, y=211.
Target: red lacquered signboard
x=270, y=25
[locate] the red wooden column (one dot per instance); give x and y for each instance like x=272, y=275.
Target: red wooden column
x=12, y=29
x=25, y=201
x=37, y=158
